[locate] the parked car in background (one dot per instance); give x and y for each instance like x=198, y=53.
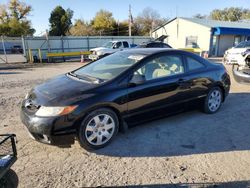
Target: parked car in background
x=194, y=48
x=153, y=44
x=241, y=74
x=107, y=49
x=123, y=89
x=238, y=54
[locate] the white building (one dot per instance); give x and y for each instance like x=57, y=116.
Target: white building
x=210, y=35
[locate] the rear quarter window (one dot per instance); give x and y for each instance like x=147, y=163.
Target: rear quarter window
x=194, y=64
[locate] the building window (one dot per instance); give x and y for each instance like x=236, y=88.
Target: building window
x=237, y=40
x=191, y=42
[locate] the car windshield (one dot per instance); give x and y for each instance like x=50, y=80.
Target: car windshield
x=108, y=45
x=244, y=44
x=108, y=67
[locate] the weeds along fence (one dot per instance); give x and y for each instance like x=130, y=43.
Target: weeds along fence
x=36, y=48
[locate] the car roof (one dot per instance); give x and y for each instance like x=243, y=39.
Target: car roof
x=153, y=51
x=148, y=51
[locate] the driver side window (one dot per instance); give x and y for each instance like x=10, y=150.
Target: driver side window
x=163, y=66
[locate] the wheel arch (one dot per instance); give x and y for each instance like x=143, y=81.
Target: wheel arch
x=220, y=85
x=122, y=123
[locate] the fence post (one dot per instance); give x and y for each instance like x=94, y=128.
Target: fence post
x=88, y=42
x=31, y=56
x=24, y=47
x=62, y=47
x=4, y=51
x=40, y=55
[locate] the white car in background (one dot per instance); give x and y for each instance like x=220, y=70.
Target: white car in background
x=239, y=54
x=107, y=49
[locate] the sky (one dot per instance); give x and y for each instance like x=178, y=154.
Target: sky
x=86, y=9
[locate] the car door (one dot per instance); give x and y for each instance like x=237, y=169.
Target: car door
x=163, y=90
x=197, y=77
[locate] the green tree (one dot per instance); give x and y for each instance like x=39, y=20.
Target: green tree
x=104, y=23
x=148, y=20
x=60, y=21
x=121, y=28
x=81, y=28
x=13, y=19
x=230, y=14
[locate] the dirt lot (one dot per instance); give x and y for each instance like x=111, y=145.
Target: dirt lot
x=191, y=148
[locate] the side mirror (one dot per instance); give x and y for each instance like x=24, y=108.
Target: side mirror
x=137, y=80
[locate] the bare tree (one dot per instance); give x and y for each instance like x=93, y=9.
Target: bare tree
x=148, y=20
x=81, y=28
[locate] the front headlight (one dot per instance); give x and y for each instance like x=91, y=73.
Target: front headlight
x=246, y=52
x=46, y=111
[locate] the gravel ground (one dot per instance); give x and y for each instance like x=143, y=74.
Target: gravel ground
x=191, y=148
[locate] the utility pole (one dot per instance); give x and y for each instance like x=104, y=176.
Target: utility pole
x=118, y=24
x=47, y=39
x=130, y=20
x=48, y=43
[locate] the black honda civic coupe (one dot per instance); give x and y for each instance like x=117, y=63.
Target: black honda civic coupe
x=129, y=87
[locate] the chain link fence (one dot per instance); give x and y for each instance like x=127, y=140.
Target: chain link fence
x=24, y=49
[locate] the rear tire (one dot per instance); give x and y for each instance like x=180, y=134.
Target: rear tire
x=98, y=129
x=213, y=101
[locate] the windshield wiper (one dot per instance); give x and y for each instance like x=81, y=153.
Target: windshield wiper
x=74, y=75
x=92, y=78
x=84, y=77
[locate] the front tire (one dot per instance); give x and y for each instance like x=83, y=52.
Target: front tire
x=213, y=101
x=98, y=129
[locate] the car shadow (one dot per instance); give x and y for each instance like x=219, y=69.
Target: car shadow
x=188, y=133
x=192, y=185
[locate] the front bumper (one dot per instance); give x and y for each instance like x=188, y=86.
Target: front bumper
x=241, y=75
x=47, y=129
x=234, y=59
x=93, y=57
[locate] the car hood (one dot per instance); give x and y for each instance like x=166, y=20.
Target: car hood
x=97, y=49
x=236, y=50
x=62, y=90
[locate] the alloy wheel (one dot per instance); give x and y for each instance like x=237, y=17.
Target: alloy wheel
x=100, y=129
x=214, y=100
